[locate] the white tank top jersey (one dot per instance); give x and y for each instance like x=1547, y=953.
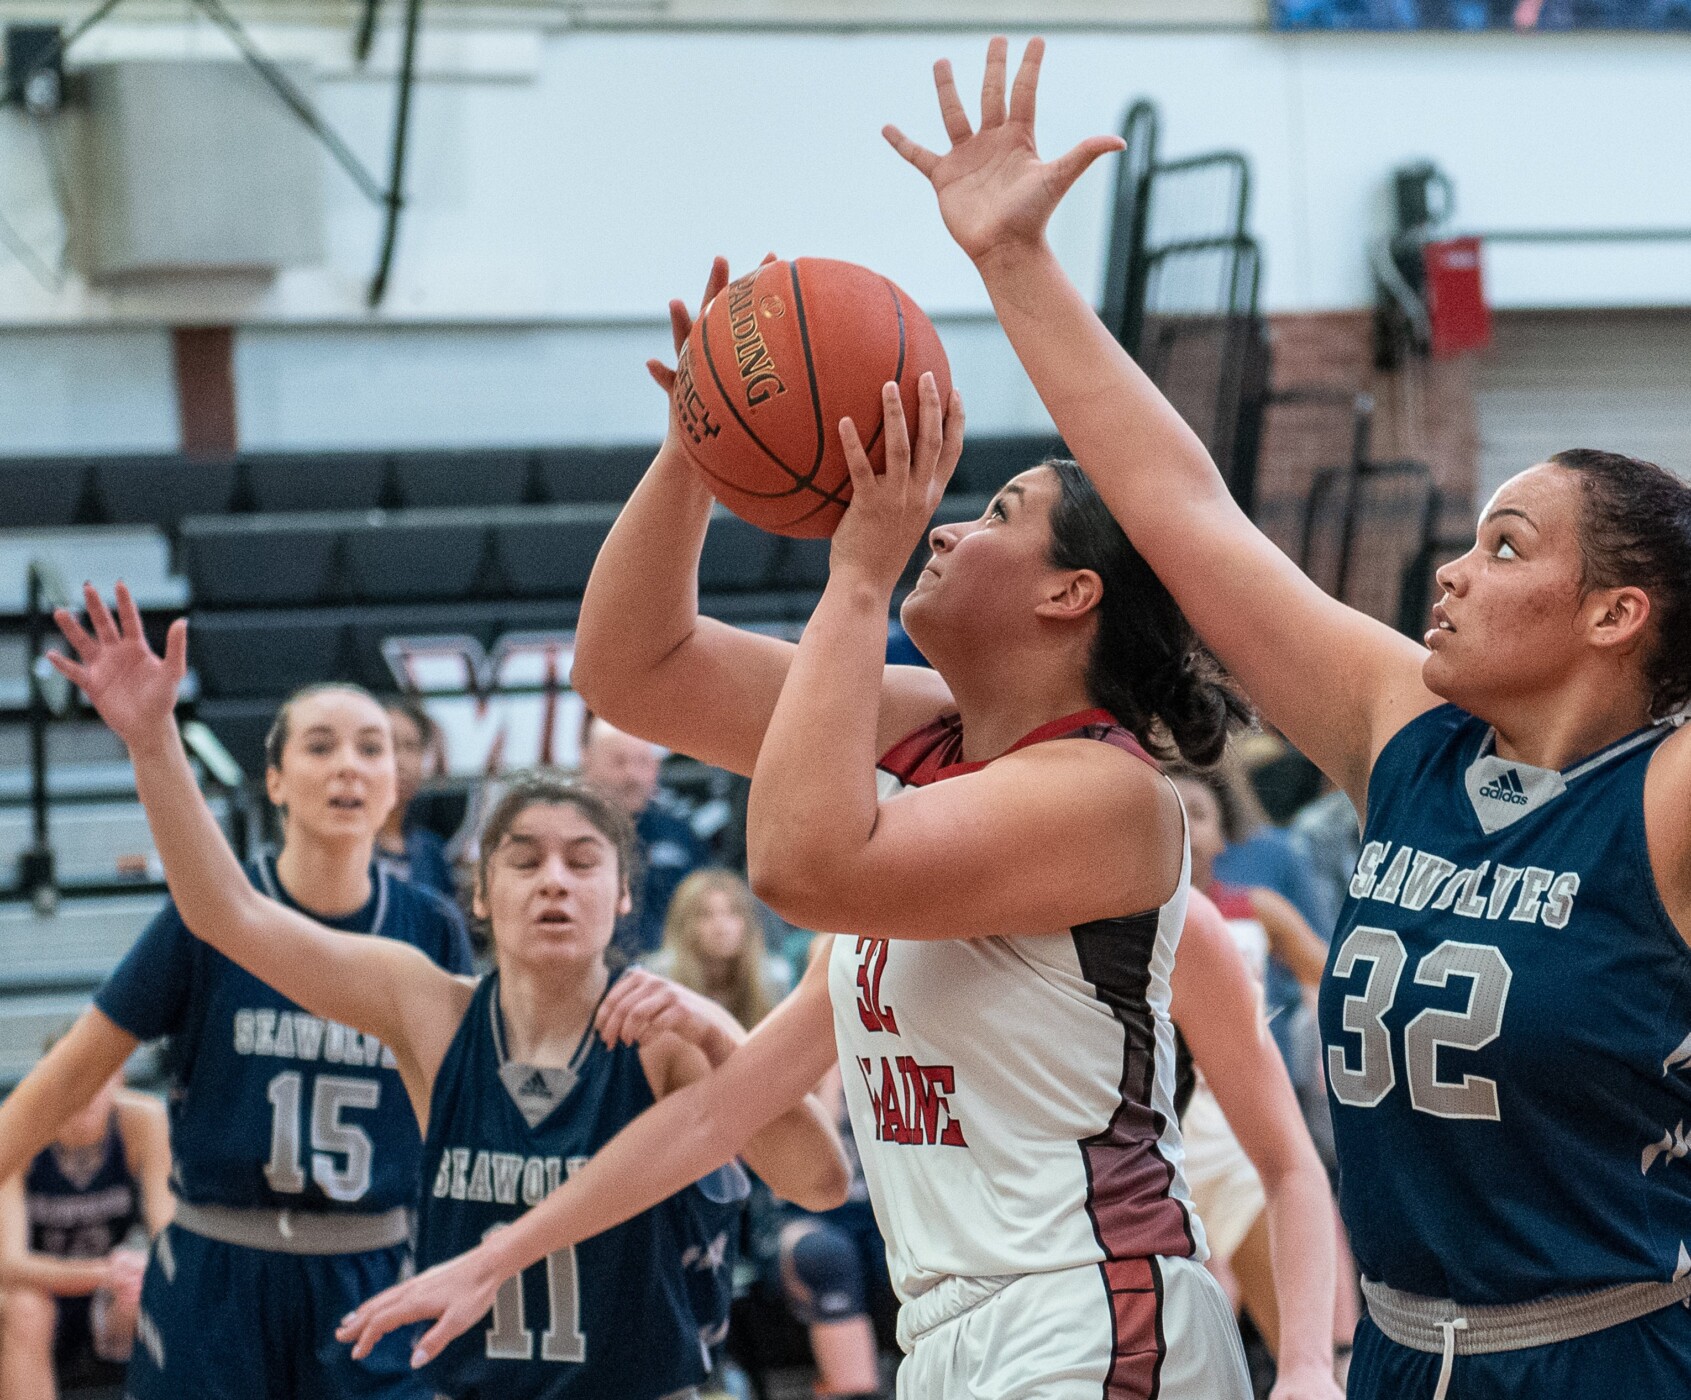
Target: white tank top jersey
x=1013, y=1097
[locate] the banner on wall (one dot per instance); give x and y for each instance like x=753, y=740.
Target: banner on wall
x=1519, y=15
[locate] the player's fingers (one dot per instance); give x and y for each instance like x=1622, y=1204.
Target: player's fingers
x=72, y=671
x=717, y=280
x=930, y=431
x=453, y=1323
x=176, y=650
x=950, y=104
x=857, y=460
x=951, y=451
x=74, y=633
x=680, y=323
x=1024, y=94
x=767, y=259
x=128, y=615
x=1068, y=168
x=992, y=84
x=896, y=432
x=662, y=375
x=919, y=156
x=99, y=615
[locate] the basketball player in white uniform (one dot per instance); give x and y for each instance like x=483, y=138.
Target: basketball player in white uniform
x=1010, y=871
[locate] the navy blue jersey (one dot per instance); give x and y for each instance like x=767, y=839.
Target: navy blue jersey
x=270, y=1106
x=81, y=1205
x=624, y=1313
x=1507, y=1022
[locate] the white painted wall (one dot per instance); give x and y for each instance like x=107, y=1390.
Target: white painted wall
x=565, y=184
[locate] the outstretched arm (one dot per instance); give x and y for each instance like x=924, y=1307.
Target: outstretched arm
x=683, y=1037
x=387, y=988
x=1215, y=1005
x=674, y=1143
x=1336, y=682
x=646, y=660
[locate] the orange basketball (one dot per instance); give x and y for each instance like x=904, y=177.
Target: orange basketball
x=773, y=364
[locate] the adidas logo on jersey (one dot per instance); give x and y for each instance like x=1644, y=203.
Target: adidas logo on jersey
x=536, y=1087
x=1506, y=788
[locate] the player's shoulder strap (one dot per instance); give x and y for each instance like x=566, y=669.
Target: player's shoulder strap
x=935, y=750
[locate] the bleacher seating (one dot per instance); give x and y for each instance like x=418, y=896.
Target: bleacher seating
x=313, y=481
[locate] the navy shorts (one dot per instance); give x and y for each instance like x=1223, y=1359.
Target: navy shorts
x=224, y=1322
x=1647, y=1359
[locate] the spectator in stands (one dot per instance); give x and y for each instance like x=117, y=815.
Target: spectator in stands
x=70, y=1272
x=1229, y=1197
x=625, y=769
x=404, y=847
x=713, y=942
x=1328, y=835
x=833, y=1275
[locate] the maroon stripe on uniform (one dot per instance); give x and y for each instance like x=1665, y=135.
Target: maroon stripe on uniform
x=1128, y=1181
x=1135, y=1288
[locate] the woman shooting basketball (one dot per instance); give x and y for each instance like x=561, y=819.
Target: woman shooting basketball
x=1507, y=1008
x=1011, y=875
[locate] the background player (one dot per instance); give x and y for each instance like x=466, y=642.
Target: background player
x=70, y=1276
x=993, y=1077
x=296, y=1155
x=514, y=1088
x=1508, y=1003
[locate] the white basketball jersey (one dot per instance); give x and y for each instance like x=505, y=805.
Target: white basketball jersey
x=1013, y=1097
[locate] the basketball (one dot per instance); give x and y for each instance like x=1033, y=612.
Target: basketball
x=774, y=363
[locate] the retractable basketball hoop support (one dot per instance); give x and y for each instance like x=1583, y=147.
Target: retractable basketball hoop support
x=389, y=198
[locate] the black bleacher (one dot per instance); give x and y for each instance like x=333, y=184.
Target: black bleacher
x=313, y=481
x=41, y=494
x=437, y=480
x=161, y=491
x=301, y=566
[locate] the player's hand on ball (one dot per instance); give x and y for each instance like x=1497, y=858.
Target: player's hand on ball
x=643, y=1006
x=889, y=512
x=132, y=687
x=455, y=1296
x=993, y=188
x=681, y=319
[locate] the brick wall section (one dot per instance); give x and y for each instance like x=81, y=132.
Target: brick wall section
x=1425, y=411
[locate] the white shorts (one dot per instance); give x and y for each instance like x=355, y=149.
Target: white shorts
x=1225, y=1188
x=1158, y=1327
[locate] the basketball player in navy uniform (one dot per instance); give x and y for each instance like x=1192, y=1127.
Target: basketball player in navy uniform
x=1010, y=874
x=515, y=1089
x=1507, y=1005
x=72, y=1244
x=297, y=1158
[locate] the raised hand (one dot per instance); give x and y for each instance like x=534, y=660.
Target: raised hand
x=889, y=512
x=994, y=191
x=455, y=1296
x=132, y=687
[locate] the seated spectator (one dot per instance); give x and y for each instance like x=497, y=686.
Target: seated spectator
x=1328, y=835
x=405, y=848
x=1225, y=1188
x=833, y=1276
x=713, y=942
x=70, y=1276
x=625, y=769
